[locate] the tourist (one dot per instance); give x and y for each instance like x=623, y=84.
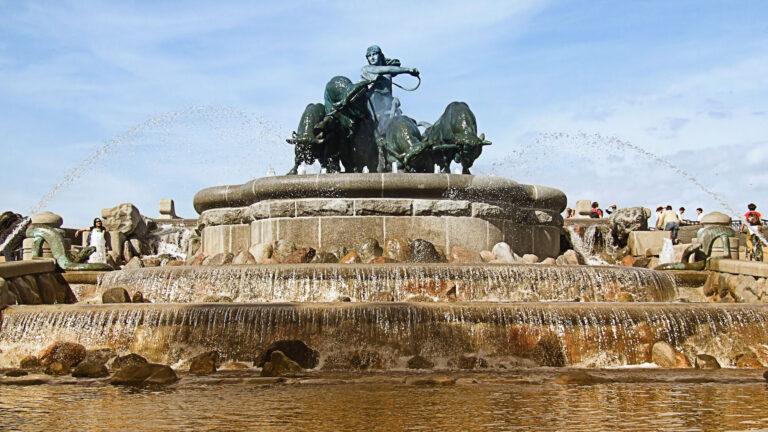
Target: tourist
x=752, y=222
x=669, y=221
x=699, y=214
x=611, y=209
x=659, y=212
x=596, y=213
x=97, y=239
x=379, y=71
x=569, y=213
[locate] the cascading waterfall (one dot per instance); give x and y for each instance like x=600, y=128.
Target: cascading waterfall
x=588, y=246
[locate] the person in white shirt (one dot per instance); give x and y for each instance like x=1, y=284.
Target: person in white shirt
x=699, y=214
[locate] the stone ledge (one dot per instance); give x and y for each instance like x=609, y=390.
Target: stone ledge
x=21, y=268
x=752, y=268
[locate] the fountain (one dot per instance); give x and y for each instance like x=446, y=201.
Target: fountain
x=499, y=311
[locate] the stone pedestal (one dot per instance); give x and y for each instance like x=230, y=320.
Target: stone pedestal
x=333, y=210
x=647, y=242
x=28, y=245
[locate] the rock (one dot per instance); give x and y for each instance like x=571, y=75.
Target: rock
x=13, y=373
x=279, y=364
x=175, y=263
x=138, y=297
x=642, y=262
x=748, y=360
x=573, y=257
x=682, y=361
x=358, y=360
x=90, y=370
x=343, y=299
x=235, y=366
x=57, y=368
x=324, y=258
x=503, y=252
x=420, y=298
x=579, y=230
x=381, y=260
x=423, y=251
x=6, y=296
x=765, y=375
x=419, y=362
x=114, y=259
x=270, y=261
x=46, y=287
x=460, y=255
x=144, y=374
x=706, y=361
x=382, y=297
x=221, y=259
x=370, y=249
x=127, y=360
x=134, y=263
x=281, y=249
x=30, y=362
x=398, y=249
x=299, y=256
x=548, y=351
x=431, y=381
x=244, y=258
x=151, y=261
x=579, y=378
x=26, y=294
x=625, y=297
x=664, y=355
x=295, y=350
x=67, y=353
x=100, y=356
x=115, y=295
x=628, y=261
x=351, y=258
x=472, y=362
x=199, y=259
x=487, y=256
x=742, y=288
x=530, y=259
x=48, y=219
x=204, y=364
x=624, y=221
x=124, y=218
x=340, y=252
x=549, y=261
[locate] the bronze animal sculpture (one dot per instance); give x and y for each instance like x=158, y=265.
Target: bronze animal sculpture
x=453, y=137
x=707, y=237
x=55, y=239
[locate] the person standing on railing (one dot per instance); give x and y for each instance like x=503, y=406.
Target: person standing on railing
x=751, y=226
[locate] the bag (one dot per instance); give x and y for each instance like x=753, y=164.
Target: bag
x=753, y=218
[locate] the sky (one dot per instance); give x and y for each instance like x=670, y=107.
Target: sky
x=623, y=102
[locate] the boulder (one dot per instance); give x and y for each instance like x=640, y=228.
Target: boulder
x=381, y=260
x=530, y=259
x=144, y=374
x=221, y=259
x=487, y=256
x=116, y=295
x=472, y=362
x=26, y=294
x=626, y=220
x=398, y=249
x=504, y=253
x=138, y=297
x=296, y=350
x=199, y=259
x=460, y=255
x=299, y=256
x=151, y=261
x=13, y=373
x=244, y=258
x=549, y=261
x=706, y=361
x=571, y=257
x=279, y=364
x=90, y=369
x=57, y=368
x=101, y=356
x=625, y=297
x=324, y=258
x=67, y=353
x=64, y=292
x=30, y=362
x=127, y=360
x=423, y=251
x=281, y=249
x=351, y=258
x=748, y=360
x=134, y=263
x=7, y=297
x=46, y=287
x=370, y=249
x=579, y=378
x=548, y=351
x=664, y=355
x=48, y=219
x=175, y=263
x=124, y=218
x=204, y=364
x=419, y=362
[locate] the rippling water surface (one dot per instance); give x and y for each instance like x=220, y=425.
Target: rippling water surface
x=387, y=406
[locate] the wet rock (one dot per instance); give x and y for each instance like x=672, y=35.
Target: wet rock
x=398, y=249
x=67, y=353
x=270, y=261
x=382, y=297
x=343, y=299
x=625, y=297
x=420, y=298
x=175, y=263
x=642, y=262
x=57, y=368
x=579, y=378
x=549, y=352
x=151, y=261
x=706, y=361
x=381, y=260
x=6, y=296
x=296, y=350
x=436, y=381
x=419, y=362
x=48, y=219
x=549, y=261
x=370, y=249
x=115, y=295
x=235, y=366
x=573, y=258
x=204, y=364
x=64, y=293
x=138, y=297
x=472, y=362
x=742, y=288
x=217, y=299
x=487, y=256
x=299, y=256
x=30, y=362
x=26, y=294
x=282, y=248
x=339, y=252
x=91, y=369
x=144, y=374
x=682, y=361
x=626, y=220
x=460, y=255
x=530, y=259
x=628, y=261
x=127, y=360
x=221, y=259
x=46, y=287
x=765, y=375
x=244, y=258
x=503, y=252
x=351, y=258
x=423, y=251
x=100, y=356
x=13, y=373
x=664, y=355
x=199, y=259
x=134, y=263
x=748, y=360
x=279, y=364
x=324, y=258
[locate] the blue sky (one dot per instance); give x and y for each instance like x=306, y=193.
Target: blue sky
x=187, y=95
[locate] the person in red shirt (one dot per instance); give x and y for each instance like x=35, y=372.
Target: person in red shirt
x=752, y=222
x=596, y=212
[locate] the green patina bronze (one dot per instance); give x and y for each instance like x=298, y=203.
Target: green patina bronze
x=707, y=237
x=55, y=239
x=361, y=125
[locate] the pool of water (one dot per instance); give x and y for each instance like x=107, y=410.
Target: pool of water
x=728, y=400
